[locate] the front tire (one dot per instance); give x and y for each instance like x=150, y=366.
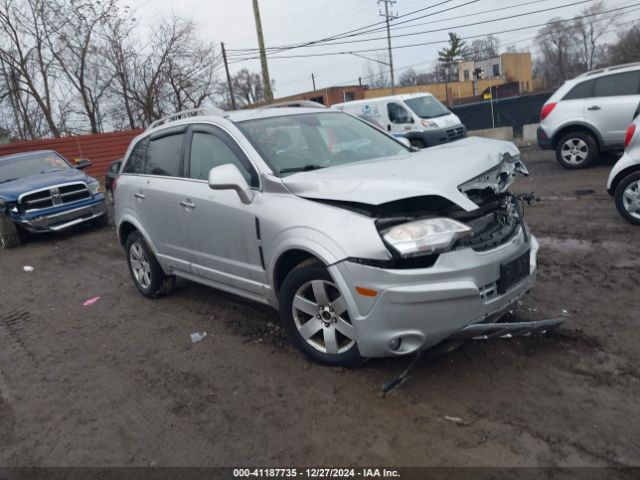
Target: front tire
x=146, y=272
x=9, y=234
x=576, y=150
x=314, y=313
x=627, y=196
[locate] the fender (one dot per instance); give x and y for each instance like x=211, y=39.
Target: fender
x=128, y=216
x=577, y=123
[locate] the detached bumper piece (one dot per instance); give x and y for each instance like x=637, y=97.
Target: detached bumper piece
x=66, y=219
x=487, y=331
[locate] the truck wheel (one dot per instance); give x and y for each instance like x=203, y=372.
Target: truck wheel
x=576, y=150
x=314, y=314
x=146, y=272
x=627, y=197
x=9, y=235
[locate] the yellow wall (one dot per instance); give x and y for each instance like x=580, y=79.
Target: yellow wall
x=517, y=67
x=456, y=89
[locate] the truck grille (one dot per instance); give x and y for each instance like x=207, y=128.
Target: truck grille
x=455, y=133
x=54, y=196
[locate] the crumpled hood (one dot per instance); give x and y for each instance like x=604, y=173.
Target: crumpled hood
x=12, y=190
x=433, y=171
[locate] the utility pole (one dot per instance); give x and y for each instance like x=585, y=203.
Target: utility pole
x=389, y=16
x=230, y=85
x=313, y=79
x=268, y=94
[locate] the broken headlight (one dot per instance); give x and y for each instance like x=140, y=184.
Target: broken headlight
x=422, y=237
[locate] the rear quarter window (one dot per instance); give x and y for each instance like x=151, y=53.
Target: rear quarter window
x=135, y=162
x=581, y=90
x=164, y=156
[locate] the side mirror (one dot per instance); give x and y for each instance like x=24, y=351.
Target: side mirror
x=228, y=177
x=82, y=163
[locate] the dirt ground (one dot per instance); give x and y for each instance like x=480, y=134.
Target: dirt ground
x=119, y=382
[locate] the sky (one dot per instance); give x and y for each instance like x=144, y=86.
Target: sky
x=287, y=22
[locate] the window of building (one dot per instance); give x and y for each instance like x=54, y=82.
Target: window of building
x=496, y=69
x=349, y=96
x=318, y=100
x=466, y=75
x=164, y=156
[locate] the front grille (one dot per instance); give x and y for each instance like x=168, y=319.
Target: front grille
x=54, y=196
x=455, y=133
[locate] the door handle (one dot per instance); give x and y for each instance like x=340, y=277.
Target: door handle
x=139, y=196
x=187, y=204
x=595, y=107
x=388, y=127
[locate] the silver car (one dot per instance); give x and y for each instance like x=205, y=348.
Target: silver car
x=624, y=179
x=366, y=247
x=589, y=114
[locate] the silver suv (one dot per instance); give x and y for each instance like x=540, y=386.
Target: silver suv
x=590, y=114
x=367, y=247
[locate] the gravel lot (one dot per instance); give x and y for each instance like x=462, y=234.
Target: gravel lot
x=119, y=383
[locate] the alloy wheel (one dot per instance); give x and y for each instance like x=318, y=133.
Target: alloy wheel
x=575, y=151
x=321, y=317
x=631, y=199
x=140, y=265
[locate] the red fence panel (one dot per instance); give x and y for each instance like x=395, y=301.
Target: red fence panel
x=100, y=148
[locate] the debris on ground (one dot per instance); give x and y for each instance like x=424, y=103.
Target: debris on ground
x=90, y=302
x=28, y=268
x=198, y=337
x=456, y=420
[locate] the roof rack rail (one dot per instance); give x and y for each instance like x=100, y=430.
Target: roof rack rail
x=296, y=103
x=196, y=112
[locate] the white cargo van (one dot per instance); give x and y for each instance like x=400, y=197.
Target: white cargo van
x=419, y=117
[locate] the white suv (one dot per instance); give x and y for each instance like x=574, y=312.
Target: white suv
x=590, y=114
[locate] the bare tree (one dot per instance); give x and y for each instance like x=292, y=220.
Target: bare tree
x=627, y=48
x=24, y=53
x=589, y=32
x=377, y=73
x=558, y=60
x=410, y=78
x=484, y=48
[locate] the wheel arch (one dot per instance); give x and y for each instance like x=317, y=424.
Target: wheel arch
x=577, y=127
x=287, y=261
x=621, y=176
x=129, y=224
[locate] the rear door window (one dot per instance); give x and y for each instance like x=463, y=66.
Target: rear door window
x=627, y=83
x=164, y=156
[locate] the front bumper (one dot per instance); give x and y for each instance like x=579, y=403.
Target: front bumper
x=423, y=307
x=438, y=136
x=64, y=219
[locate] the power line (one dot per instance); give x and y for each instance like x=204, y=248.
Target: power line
x=350, y=32
x=579, y=2
x=421, y=44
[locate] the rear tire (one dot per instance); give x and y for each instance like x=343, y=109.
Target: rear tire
x=314, y=314
x=146, y=272
x=9, y=235
x=576, y=150
x=627, y=196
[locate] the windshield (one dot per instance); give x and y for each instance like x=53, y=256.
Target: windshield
x=310, y=141
x=35, y=164
x=427, y=107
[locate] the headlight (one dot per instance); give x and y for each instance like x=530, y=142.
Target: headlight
x=429, y=124
x=95, y=188
x=425, y=236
